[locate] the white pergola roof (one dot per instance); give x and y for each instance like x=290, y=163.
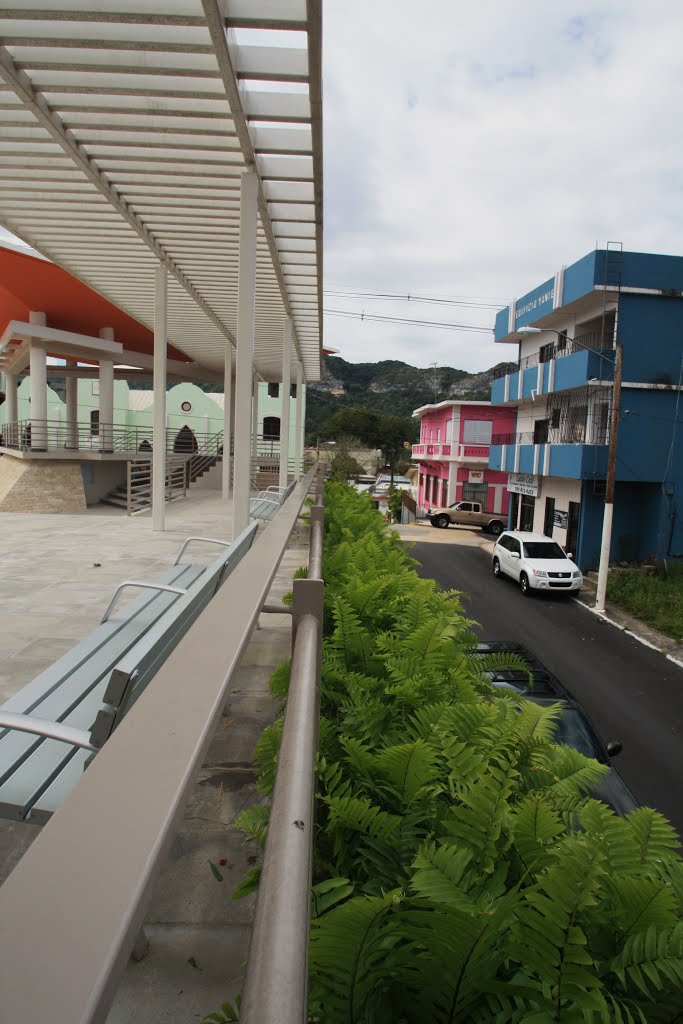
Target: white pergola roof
x=124, y=128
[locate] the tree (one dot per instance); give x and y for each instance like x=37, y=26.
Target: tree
x=359, y=423
x=344, y=466
x=395, y=433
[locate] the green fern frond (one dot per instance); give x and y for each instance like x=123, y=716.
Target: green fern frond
x=478, y=820
x=352, y=643
x=329, y=893
x=360, y=815
x=440, y=875
x=651, y=961
x=359, y=757
x=408, y=767
x=349, y=951
x=642, y=902
x=266, y=755
x=535, y=828
x=278, y=684
x=573, y=773
x=254, y=823
x=547, y=939
x=656, y=838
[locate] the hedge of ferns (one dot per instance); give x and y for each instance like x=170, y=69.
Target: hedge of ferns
x=462, y=870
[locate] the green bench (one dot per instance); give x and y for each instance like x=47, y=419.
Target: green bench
x=55, y=724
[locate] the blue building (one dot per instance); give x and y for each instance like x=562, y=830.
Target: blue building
x=566, y=330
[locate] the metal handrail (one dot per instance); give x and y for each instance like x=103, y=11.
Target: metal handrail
x=80, y=931
x=276, y=983
x=205, y=540
x=44, y=727
x=179, y=591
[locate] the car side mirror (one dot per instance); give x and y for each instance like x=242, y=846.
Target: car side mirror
x=614, y=747
x=569, y=554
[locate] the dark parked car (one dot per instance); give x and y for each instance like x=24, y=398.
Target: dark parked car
x=574, y=728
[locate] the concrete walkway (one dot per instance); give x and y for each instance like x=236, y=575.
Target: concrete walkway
x=52, y=593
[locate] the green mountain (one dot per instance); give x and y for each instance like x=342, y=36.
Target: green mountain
x=389, y=387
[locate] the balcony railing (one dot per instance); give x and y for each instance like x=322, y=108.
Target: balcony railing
x=594, y=340
x=431, y=450
x=454, y=451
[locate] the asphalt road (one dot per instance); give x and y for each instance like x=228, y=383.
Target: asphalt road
x=630, y=692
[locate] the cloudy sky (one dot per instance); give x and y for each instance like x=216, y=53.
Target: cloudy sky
x=472, y=149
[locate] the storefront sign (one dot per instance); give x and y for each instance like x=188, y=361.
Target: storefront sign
x=523, y=483
x=476, y=476
x=560, y=519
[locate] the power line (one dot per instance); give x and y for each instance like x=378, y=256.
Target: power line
x=409, y=297
x=377, y=317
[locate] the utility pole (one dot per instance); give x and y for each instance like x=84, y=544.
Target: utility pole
x=609, y=488
x=435, y=380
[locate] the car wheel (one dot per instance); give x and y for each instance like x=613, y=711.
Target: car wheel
x=443, y=522
x=495, y=528
x=524, y=584
x=496, y=568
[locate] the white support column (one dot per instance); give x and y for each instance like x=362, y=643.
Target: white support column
x=107, y=396
x=12, y=400
x=72, y=410
x=298, y=424
x=245, y=350
x=286, y=402
x=159, y=430
x=38, y=372
x=227, y=419
x=254, y=417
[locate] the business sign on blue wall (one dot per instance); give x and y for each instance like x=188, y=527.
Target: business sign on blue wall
x=535, y=304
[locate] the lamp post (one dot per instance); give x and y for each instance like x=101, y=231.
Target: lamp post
x=606, y=541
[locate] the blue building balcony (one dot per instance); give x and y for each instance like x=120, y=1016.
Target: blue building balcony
x=571, y=461
x=570, y=367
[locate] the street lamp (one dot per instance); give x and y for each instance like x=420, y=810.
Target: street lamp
x=606, y=542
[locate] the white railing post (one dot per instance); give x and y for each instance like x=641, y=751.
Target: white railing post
x=298, y=426
x=227, y=421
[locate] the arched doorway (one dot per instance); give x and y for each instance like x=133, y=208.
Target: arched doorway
x=271, y=428
x=185, y=442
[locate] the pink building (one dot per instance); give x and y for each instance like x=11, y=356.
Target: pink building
x=453, y=454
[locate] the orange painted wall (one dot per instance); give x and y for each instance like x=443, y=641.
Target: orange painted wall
x=27, y=283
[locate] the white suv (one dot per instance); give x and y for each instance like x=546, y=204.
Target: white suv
x=536, y=562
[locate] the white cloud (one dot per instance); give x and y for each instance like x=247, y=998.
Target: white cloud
x=470, y=150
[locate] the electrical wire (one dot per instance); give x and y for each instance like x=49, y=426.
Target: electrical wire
x=408, y=297
x=378, y=318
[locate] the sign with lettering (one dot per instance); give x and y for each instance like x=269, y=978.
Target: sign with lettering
x=535, y=304
x=523, y=483
x=560, y=519
x=476, y=476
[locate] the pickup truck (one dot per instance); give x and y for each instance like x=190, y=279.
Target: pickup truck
x=466, y=513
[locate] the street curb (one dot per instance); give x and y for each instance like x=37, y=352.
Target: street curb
x=630, y=632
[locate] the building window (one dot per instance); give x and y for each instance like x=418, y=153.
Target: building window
x=555, y=419
x=95, y=423
x=476, y=492
x=561, y=341
x=578, y=424
x=449, y=431
x=186, y=406
x=546, y=352
x=438, y=435
x=477, y=431
x=292, y=390
x=271, y=427
x=431, y=434
x=273, y=391
x=541, y=431
x=549, y=520
x=602, y=419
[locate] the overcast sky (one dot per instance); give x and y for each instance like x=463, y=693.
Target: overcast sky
x=472, y=149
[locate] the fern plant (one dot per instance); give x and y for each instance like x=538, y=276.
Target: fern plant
x=463, y=872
